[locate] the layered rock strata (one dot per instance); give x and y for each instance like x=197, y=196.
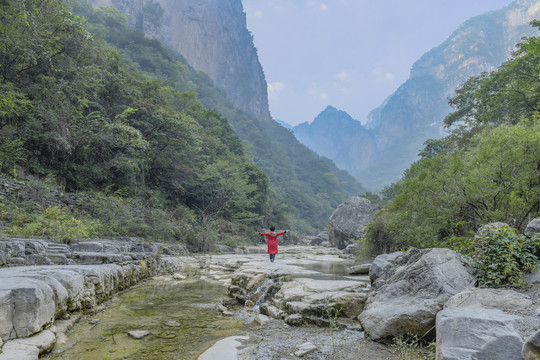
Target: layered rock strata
x=32, y=298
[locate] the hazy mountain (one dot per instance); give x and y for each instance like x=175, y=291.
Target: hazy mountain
x=308, y=186
x=336, y=135
x=379, y=152
x=212, y=35
x=283, y=123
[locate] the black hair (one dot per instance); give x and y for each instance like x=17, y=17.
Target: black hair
x=272, y=228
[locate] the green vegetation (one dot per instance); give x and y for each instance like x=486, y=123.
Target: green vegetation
x=499, y=255
x=486, y=170
x=154, y=149
x=413, y=348
x=75, y=109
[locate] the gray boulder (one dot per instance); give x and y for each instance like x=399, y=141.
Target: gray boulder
x=362, y=269
x=417, y=285
x=320, y=239
x=378, y=267
x=531, y=348
x=349, y=220
x=500, y=299
x=467, y=333
x=533, y=227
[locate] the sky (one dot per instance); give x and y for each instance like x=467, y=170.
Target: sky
x=351, y=54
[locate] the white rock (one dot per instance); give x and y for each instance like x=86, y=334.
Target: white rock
x=19, y=351
x=501, y=299
x=475, y=333
x=177, y=276
x=261, y=319
x=28, y=348
x=305, y=349
x=138, y=334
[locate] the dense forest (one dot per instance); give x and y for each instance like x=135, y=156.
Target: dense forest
x=91, y=107
x=486, y=170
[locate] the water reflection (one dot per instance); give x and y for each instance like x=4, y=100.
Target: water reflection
x=180, y=317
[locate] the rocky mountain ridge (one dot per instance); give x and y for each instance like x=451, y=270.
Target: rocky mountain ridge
x=379, y=152
x=212, y=36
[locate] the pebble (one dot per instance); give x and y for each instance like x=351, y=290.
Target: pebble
x=172, y=323
x=138, y=334
x=177, y=276
x=261, y=319
x=305, y=349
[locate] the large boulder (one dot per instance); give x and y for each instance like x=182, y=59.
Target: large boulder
x=491, y=329
x=378, y=267
x=417, y=285
x=533, y=227
x=349, y=220
x=475, y=333
x=499, y=299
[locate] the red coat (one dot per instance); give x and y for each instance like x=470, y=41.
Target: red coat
x=272, y=241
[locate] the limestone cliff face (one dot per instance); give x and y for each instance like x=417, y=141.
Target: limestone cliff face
x=396, y=130
x=212, y=35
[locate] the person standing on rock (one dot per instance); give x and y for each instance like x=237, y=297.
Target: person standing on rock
x=271, y=240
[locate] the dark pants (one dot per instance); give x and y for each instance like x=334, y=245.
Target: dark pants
x=272, y=257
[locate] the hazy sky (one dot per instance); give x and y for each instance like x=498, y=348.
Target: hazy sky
x=350, y=54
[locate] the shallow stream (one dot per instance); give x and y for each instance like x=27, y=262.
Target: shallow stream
x=180, y=316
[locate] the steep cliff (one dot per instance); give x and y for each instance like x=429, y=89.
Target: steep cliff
x=382, y=149
x=306, y=188
x=212, y=36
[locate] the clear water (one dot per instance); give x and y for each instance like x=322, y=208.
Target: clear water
x=150, y=306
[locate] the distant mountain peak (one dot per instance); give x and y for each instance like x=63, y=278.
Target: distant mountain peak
x=378, y=152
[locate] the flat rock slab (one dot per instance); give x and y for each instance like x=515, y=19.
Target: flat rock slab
x=473, y=333
x=359, y=269
x=31, y=297
x=305, y=349
x=501, y=299
x=226, y=349
x=28, y=348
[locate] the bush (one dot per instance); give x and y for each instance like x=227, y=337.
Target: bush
x=54, y=223
x=500, y=256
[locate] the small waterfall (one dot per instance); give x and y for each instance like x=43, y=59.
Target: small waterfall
x=259, y=295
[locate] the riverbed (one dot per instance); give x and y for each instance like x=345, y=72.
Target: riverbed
x=180, y=316
x=183, y=320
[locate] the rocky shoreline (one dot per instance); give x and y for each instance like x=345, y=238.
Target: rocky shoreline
x=39, y=303
x=426, y=293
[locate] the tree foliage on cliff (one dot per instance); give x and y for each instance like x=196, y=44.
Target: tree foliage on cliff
x=304, y=188
x=486, y=170
x=74, y=108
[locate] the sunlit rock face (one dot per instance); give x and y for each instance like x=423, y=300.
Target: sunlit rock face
x=212, y=36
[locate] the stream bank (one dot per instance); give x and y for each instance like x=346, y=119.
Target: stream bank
x=196, y=286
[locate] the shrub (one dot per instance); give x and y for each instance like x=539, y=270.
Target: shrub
x=54, y=223
x=500, y=256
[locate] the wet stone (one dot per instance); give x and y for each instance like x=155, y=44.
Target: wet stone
x=305, y=349
x=138, y=334
x=172, y=323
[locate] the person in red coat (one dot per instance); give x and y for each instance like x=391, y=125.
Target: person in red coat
x=272, y=241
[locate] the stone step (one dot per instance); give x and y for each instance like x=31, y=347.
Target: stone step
x=58, y=248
